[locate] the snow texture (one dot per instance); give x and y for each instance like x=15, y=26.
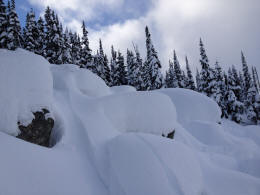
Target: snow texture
x=108, y=142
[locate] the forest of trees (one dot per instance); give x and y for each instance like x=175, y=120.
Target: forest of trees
x=236, y=92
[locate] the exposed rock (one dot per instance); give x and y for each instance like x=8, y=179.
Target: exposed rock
x=39, y=131
x=170, y=135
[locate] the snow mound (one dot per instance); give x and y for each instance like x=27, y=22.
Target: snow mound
x=122, y=89
x=147, y=112
x=83, y=80
x=192, y=106
x=25, y=87
x=146, y=164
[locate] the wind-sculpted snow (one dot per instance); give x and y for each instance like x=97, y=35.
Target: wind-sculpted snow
x=25, y=87
x=122, y=89
x=109, y=142
x=191, y=106
x=147, y=112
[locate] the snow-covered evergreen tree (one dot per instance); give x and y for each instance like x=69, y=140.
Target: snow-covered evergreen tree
x=255, y=79
x=199, y=87
x=76, y=49
x=220, y=89
x=67, y=50
x=153, y=76
x=138, y=69
x=101, y=65
x=170, y=78
x=236, y=84
x=115, y=76
x=207, y=80
x=250, y=92
x=190, y=80
x=41, y=37
x=131, y=67
x=178, y=71
x=14, y=37
x=31, y=33
x=121, y=69
x=3, y=25
x=54, y=37
x=85, y=54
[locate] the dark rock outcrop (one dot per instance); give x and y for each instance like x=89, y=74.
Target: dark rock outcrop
x=39, y=130
x=170, y=135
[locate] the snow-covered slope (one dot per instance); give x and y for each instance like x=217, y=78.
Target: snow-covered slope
x=108, y=141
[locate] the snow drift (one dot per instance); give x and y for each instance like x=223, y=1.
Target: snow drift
x=110, y=140
x=147, y=112
x=191, y=106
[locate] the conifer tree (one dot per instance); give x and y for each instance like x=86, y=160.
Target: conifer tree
x=198, y=81
x=85, y=53
x=67, y=50
x=138, y=69
x=178, y=71
x=76, y=50
x=3, y=25
x=237, y=85
x=153, y=77
x=220, y=89
x=170, y=79
x=250, y=92
x=255, y=78
x=105, y=67
x=131, y=67
x=41, y=37
x=13, y=28
x=121, y=69
x=31, y=32
x=190, y=80
x=101, y=64
x=115, y=76
x=207, y=74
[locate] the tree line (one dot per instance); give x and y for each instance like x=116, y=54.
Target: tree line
x=236, y=92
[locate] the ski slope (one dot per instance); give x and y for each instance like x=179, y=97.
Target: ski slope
x=107, y=141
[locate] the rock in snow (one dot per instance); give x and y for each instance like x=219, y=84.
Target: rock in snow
x=26, y=89
x=108, y=140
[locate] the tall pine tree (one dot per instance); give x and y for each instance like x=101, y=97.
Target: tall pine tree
x=153, y=76
x=85, y=53
x=3, y=25
x=13, y=28
x=207, y=74
x=190, y=80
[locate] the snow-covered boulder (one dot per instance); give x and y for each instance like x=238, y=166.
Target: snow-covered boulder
x=147, y=112
x=193, y=106
x=26, y=88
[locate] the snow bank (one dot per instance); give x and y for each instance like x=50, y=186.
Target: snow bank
x=148, y=112
x=146, y=164
x=122, y=89
x=84, y=80
x=25, y=87
x=191, y=106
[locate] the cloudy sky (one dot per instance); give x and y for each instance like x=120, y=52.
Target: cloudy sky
x=226, y=26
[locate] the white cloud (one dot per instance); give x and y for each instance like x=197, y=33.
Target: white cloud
x=80, y=9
